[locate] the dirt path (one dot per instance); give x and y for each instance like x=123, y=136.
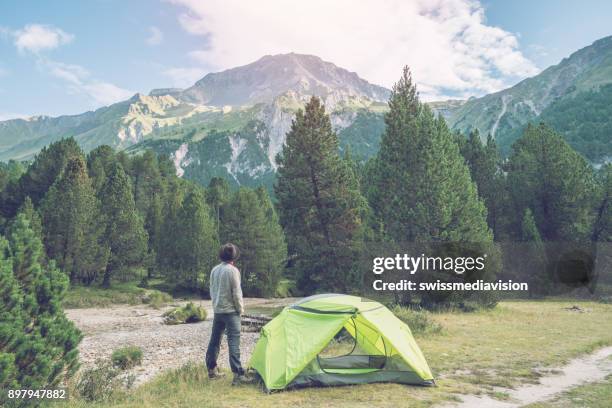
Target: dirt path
x=163, y=346
x=585, y=369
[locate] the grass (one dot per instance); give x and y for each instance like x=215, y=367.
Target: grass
x=124, y=293
x=97, y=383
x=157, y=299
x=595, y=395
x=190, y=313
x=420, y=322
x=127, y=357
x=473, y=353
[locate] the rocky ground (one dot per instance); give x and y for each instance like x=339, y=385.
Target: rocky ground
x=107, y=329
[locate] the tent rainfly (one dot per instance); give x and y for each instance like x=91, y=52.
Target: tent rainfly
x=288, y=351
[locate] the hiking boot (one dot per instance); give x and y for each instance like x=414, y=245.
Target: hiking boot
x=240, y=379
x=215, y=373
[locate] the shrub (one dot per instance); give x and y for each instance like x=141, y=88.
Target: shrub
x=190, y=313
x=99, y=382
x=127, y=357
x=419, y=321
x=38, y=344
x=285, y=288
x=607, y=300
x=157, y=299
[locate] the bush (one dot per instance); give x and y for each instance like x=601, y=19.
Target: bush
x=606, y=300
x=99, y=382
x=157, y=299
x=127, y=357
x=285, y=288
x=38, y=344
x=419, y=321
x=190, y=313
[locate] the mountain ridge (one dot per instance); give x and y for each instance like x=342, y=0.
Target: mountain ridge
x=284, y=81
x=272, y=75
x=504, y=113
x=233, y=123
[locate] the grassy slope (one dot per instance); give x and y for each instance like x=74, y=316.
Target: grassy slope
x=473, y=352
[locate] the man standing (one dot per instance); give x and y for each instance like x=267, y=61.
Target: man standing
x=226, y=295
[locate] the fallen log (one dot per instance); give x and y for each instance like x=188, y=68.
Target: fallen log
x=252, y=323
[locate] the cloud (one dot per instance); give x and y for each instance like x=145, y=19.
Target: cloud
x=32, y=39
x=539, y=50
x=68, y=72
x=447, y=43
x=184, y=77
x=38, y=37
x=80, y=81
x=156, y=36
x=105, y=92
x=200, y=56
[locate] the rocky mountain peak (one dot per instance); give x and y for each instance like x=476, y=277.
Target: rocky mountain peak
x=273, y=75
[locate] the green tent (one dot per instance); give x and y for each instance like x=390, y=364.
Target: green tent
x=288, y=351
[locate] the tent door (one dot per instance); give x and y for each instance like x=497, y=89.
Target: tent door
x=352, y=363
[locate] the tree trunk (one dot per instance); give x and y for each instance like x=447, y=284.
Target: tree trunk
x=107, y=277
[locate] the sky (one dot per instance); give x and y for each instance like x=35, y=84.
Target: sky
x=67, y=57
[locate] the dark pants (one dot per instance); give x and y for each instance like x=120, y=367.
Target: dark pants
x=230, y=323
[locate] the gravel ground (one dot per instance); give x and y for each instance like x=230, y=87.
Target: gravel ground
x=163, y=346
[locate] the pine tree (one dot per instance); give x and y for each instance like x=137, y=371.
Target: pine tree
x=149, y=192
x=275, y=245
x=146, y=180
x=38, y=344
x=320, y=204
x=46, y=167
x=125, y=234
x=10, y=172
x=32, y=215
x=535, y=254
x=484, y=162
x=602, y=229
x=421, y=190
x=529, y=229
x=73, y=225
x=100, y=162
x=250, y=222
x=217, y=196
x=11, y=322
x=547, y=176
x=197, y=243
x=168, y=252
x=40, y=175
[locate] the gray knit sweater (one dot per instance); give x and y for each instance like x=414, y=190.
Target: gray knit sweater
x=225, y=290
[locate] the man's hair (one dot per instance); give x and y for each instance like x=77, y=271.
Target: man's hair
x=228, y=252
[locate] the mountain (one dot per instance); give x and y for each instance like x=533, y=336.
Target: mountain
x=446, y=108
x=119, y=125
x=233, y=123
x=270, y=76
x=230, y=123
x=573, y=96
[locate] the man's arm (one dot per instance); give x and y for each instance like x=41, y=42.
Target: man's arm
x=237, y=291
